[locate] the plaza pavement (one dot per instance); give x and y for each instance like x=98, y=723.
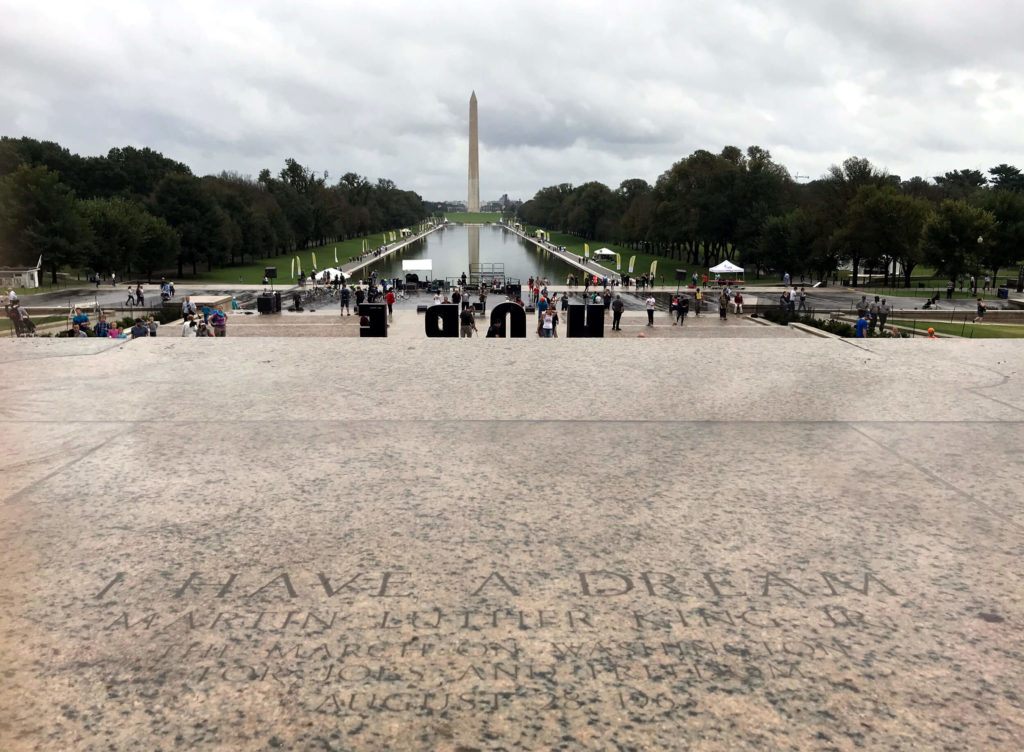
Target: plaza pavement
x=414, y=544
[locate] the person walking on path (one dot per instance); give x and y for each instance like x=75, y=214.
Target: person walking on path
x=723, y=305
x=682, y=308
x=390, y=300
x=650, y=310
x=346, y=295
x=862, y=306
x=617, y=307
x=698, y=302
x=873, y=311
x=468, y=323
x=981, y=311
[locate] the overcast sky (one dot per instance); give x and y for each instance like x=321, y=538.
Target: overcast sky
x=568, y=92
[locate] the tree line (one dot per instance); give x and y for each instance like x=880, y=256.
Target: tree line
x=747, y=207
x=136, y=212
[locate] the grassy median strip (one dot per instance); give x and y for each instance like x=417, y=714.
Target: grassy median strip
x=961, y=329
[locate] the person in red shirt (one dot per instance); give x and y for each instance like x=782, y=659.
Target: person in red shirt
x=390, y=300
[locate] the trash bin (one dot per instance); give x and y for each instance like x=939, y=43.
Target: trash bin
x=1003, y=293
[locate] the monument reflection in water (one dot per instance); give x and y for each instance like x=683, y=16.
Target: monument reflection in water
x=453, y=250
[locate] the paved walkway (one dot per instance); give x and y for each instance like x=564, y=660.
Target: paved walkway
x=407, y=324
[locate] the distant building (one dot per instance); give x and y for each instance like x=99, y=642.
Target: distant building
x=13, y=274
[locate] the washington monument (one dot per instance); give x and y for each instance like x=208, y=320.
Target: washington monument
x=473, y=202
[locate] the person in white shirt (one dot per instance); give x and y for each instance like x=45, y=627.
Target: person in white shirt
x=650, y=310
x=188, y=329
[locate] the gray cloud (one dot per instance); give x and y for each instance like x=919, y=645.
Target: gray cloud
x=568, y=91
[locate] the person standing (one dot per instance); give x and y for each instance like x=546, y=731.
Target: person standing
x=803, y=300
x=547, y=325
x=723, y=305
x=140, y=299
x=219, y=321
x=861, y=326
x=346, y=295
x=698, y=302
x=152, y=325
x=785, y=279
x=607, y=299
x=617, y=308
x=682, y=308
x=102, y=327
x=188, y=329
x=139, y=329
x=862, y=306
x=873, y=312
x=187, y=307
x=950, y=286
x=542, y=306
x=468, y=323
x=456, y=296
x=981, y=311
x=650, y=309
x=390, y=300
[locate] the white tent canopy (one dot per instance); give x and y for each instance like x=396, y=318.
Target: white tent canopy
x=604, y=253
x=417, y=265
x=726, y=267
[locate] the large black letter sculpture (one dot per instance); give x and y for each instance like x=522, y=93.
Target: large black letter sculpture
x=442, y=320
x=378, y=314
x=517, y=320
x=585, y=321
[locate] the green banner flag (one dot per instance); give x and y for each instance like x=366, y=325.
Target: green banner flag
x=384, y=238
x=586, y=250
x=654, y=269
x=632, y=262
x=618, y=262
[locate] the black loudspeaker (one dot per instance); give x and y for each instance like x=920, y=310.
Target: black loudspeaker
x=378, y=314
x=442, y=320
x=680, y=275
x=516, y=328
x=595, y=320
x=270, y=272
x=585, y=321
x=265, y=303
x=576, y=321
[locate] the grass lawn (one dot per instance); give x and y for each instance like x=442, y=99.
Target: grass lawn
x=252, y=274
x=6, y=326
x=969, y=330
x=917, y=292
x=666, y=266
x=473, y=217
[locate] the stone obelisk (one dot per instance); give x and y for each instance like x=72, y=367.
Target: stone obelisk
x=473, y=202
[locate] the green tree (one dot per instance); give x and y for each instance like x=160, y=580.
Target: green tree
x=1007, y=178
x=951, y=238
x=39, y=216
x=886, y=225
x=1003, y=246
